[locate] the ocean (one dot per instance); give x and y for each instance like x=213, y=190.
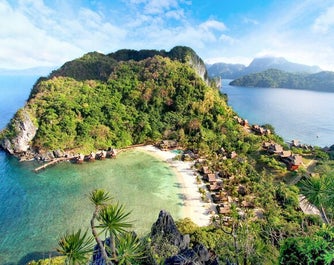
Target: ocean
x=303, y=115
x=36, y=209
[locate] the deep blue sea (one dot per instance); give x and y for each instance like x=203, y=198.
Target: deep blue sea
x=307, y=116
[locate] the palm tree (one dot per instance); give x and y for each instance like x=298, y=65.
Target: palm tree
x=319, y=191
x=100, y=199
x=77, y=247
x=112, y=219
x=129, y=249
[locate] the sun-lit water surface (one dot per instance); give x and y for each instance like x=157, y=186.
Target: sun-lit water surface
x=37, y=208
x=295, y=114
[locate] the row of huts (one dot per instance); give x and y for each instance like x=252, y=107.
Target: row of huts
x=100, y=155
x=223, y=198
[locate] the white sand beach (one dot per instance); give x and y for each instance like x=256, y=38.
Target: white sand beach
x=194, y=208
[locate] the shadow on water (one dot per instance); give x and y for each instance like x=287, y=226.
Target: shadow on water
x=35, y=256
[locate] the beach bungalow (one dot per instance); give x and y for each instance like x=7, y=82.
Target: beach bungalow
x=247, y=204
x=101, y=155
x=224, y=209
x=220, y=196
x=79, y=159
x=295, y=143
x=260, y=130
x=285, y=154
x=90, y=157
x=211, y=178
x=293, y=162
x=275, y=149
x=215, y=187
x=266, y=145
x=205, y=171
x=111, y=153
x=167, y=145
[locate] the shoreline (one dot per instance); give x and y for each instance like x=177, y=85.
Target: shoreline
x=193, y=206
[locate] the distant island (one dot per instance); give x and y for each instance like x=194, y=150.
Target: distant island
x=274, y=78
x=234, y=71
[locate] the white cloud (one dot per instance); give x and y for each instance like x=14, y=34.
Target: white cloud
x=154, y=7
x=232, y=60
x=212, y=24
x=227, y=39
x=325, y=21
x=32, y=35
x=247, y=20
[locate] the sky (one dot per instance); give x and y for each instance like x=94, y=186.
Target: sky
x=47, y=33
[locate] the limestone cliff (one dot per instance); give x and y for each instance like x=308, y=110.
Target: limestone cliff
x=18, y=136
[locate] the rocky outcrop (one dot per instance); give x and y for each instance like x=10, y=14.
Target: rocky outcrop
x=165, y=227
x=198, y=255
x=197, y=63
x=25, y=132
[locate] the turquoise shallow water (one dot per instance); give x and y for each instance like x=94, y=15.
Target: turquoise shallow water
x=37, y=208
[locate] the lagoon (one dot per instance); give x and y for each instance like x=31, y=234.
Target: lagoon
x=36, y=209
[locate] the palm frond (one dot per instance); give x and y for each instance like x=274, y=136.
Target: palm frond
x=113, y=219
x=129, y=249
x=100, y=197
x=313, y=190
x=77, y=247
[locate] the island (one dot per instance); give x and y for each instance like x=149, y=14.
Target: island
x=257, y=183
x=274, y=78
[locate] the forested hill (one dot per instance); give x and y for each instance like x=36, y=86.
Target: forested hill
x=322, y=81
x=98, y=66
x=124, y=98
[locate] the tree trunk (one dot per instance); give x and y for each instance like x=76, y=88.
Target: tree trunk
x=323, y=213
x=98, y=240
x=113, y=247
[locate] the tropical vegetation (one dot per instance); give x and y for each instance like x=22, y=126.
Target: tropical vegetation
x=322, y=81
x=130, y=97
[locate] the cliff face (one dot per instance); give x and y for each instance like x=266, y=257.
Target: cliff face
x=25, y=131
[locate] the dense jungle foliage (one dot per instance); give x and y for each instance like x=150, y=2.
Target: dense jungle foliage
x=140, y=102
x=322, y=81
x=131, y=97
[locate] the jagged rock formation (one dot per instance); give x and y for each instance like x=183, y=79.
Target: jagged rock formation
x=164, y=231
x=165, y=228
x=198, y=255
x=97, y=258
x=25, y=131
